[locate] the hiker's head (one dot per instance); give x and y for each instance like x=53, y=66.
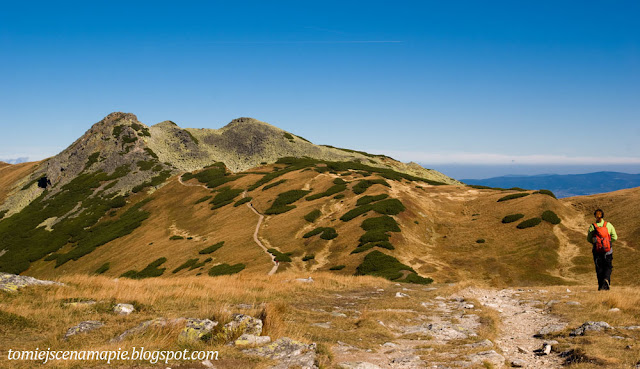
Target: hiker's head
x=599, y=214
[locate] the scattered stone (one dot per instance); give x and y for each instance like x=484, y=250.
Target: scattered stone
x=12, y=282
x=123, y=309
x=590, y=326
x=618, y=337
x=429, y=289
x=239, y=325
x=546, y=349
x=400, y=294
x=288, y=352
x=338, y=315
x=325, y=325
x=251, y=340
x=412, y=361
x=553, y=302
x=142, y=327
x=483, y=343
x=83, y=303
x=440, y=298
x=550, y=329
x=517, y=363
x=523, y=350
x=573, y=303
x=614, y=310
x=468, y=306
x=195, y=329
x=357, y=365
x=568, y=290
x=631, y=327
x=305, y=280
x=389, y=344
x=208, y=364
x=487, y=356
x=83, y=327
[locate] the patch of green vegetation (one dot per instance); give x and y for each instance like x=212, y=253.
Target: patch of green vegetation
x=385, y=207
x=103, y=268
x=271, y=185
x=145, y=165
x=187, y=264
x=380, y=264
x=136, y=126
x=211, y=248
x=364, y=247
x=312, y=216
x=339, y=186
x=308, y=257
x=303, y=139
x=364, y=184
x=286, y=257
x=513, y=196
x=117, y=130
x=284, y=200
x=481, y=240
x=326, y=233
x=551, y=217
x=225, y=196
x=376, y=233
x=226, y=269
x=546, y=192
x=150, y=271
x=512, y=218
x=337, y=267
x=203, y=199
x=357, y=152
x=129, y=139
x=339, y=196
x=213, y=176
x=288, y=136
x=93, y=158
x=243, y=200
x=176, y=237
x=154, y=181
x=200, y=264
x=3, y=212
x=195, y=140
x=151, y=153
x=529, y=223
x=366, y=199
x=14, y=321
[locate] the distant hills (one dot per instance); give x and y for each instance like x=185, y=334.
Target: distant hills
x=566, y=185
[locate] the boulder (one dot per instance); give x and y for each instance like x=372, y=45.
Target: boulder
x=590, y=326
x=12, y=282
x=288, y=352
x=517, y=363
x=251, y=340
x=549, y=329
x=357, y=365
x=239, y=325
x=83, y=327
x=487, y=356
x=123, y=309
x=196, y=329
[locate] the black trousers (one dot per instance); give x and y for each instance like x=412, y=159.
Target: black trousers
x=604, y=265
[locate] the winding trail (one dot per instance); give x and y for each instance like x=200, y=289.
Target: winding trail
x=257, y=240
x=191, y=185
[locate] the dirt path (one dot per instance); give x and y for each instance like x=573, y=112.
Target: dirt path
x=257, y=240
x=191, y=185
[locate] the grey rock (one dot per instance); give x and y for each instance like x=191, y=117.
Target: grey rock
x=325, y=325
x=522, y=350
x=483, y=343
x=196, y=329
x=357, y=365
x=239, y=325
x=614, y=310
x=590, y=326
x=123, y=309
x=12, y=282
x=573, y=303
x=251, y=340
x=83, y=327
x=305, y=280
x=400, y=294
x=517, y=363
x=288, y=352
x=549, y=329
x=489, y=356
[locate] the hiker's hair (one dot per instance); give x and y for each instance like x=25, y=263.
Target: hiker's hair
x=598, y=210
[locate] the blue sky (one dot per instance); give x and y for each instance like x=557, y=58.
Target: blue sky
x=539, y=83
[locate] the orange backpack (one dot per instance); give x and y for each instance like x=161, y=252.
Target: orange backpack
x=603, y=239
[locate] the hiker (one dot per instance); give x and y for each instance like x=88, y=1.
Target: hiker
x=602, y=235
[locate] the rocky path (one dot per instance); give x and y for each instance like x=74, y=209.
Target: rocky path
x=257, y=240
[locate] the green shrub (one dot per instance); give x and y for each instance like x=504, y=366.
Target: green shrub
x=366, y=199
x=513, y=196
x=195, y=140
x=386, y=207
x=529, y=223
x=303, y=139
x=288, y=136
x=364, y=184
x=150, y=152
x=203, y=199
x=512, y=218
x=243, y=200
x=102, y=268
x=150, y=271
x=155, y=181
x=326, y=233
x=117, y=130
x=379, y=264
x=364, y=247
x=339, y=186
x=308, y=257
x=201, y=264
x=312, y=216
x=145, y=165
x=286, y=257
x=186, y=264
x=3, y=212
x=546, y=192
x=226, y=269
x=211, y=248
x=550, y=217
x=337, y=267
x=175, y=237
x=212, y=176
x=225, y=196
x=93, y=158
x=271, y=185
x=339, y=196
x=283, y=201
x=480, y=240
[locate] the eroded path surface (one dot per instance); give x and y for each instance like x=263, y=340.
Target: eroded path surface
x=256, y=239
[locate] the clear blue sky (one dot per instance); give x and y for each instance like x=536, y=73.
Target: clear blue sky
x=439, y=82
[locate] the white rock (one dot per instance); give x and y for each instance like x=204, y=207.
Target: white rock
x=400, y=294
x=614, y=310
x=123, y=309
x=357, y=365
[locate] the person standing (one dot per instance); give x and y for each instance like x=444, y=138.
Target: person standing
x=602, y=234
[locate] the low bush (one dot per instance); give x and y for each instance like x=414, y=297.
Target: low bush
x=385, y=207
x=176, y=237
x=195, y=140
x=186, y=264
x=364, y=184
x=103, y=268
x=211, y=248
x=288, y=136
x=546, y=192
x=364, y=247
x=243, y=200
x=93, y=158
x=271, y=185
x=225, y=196
x=513, y=196
x=480, y=240
x=529, y=223
x=213, y=176
x=337, y=267
x=283, y=201
x=339, y=196
x=312, y=216
x=226, y=269
x=512, y=218
x=550, y=217
x=151, y=153
x=380, y=264
x=155, y=181
x=286, y=257
x=203, y=199
x=150, y=271
x=308, y=257
x=326, y=233
x=145, y=165
x=339, y=186
x=366, y=199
